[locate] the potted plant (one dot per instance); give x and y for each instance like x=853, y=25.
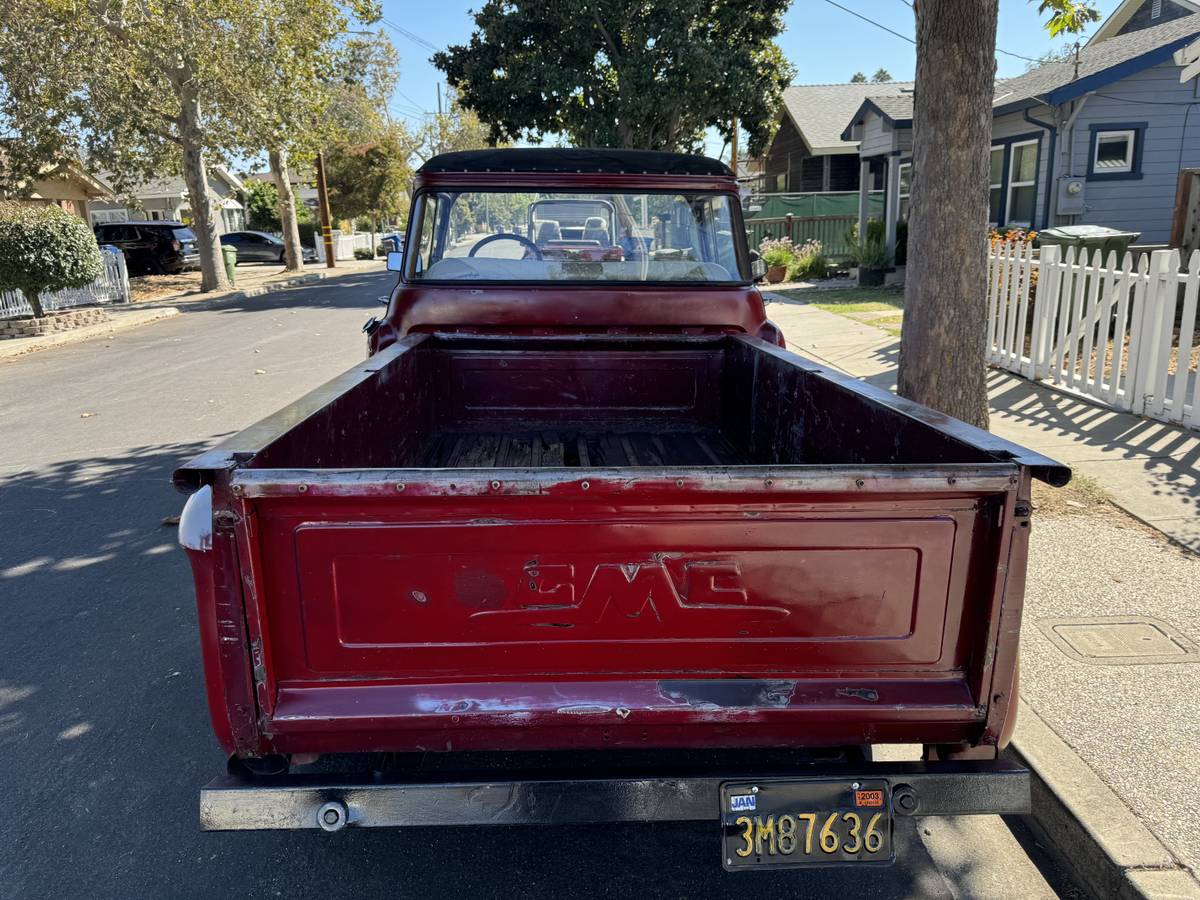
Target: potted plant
x=872, y=256
x=777, y=255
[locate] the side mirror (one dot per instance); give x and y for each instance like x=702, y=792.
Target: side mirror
x=395, y=261
x=758, y=268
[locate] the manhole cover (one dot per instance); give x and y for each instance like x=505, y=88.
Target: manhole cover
x=1120, y=640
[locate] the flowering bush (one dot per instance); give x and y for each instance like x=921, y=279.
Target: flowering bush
x=1012, y=235
x=810, y=261
x=777, y=251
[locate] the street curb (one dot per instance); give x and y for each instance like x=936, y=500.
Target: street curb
x=274, y=286
x=1095, y=835
x=13, y=349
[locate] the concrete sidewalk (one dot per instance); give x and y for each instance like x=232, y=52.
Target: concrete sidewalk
x=1149, y=468
x=253, y=283
x=1113, y=741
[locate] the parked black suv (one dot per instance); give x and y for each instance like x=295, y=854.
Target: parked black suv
x=154, y=247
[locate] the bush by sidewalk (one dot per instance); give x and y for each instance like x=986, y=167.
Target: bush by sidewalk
x=43, y=249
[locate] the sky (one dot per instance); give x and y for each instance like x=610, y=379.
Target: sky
x=825, y=44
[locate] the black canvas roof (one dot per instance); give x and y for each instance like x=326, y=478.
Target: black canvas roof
x=589, y=161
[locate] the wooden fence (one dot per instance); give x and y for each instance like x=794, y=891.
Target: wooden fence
x=1120, y=331
x=111, y=287
x=831, y=231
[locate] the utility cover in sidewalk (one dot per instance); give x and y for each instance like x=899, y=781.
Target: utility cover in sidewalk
x=1119, y=640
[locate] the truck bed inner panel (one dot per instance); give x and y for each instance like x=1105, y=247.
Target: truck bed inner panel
x=542, y=449
x=447, y=401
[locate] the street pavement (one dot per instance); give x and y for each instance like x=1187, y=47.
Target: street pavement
x=104, y=735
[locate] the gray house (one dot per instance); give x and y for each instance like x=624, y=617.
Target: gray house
x=1098, y=138
x=167, y=199
x=808, y=152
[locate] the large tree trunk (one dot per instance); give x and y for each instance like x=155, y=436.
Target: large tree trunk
x=943, y=340
x=293, y=256
x=195, y=175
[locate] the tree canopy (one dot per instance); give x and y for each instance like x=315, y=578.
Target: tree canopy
x=1067, y=16
x=369, y=178
x=152, y=89
x=608, y=73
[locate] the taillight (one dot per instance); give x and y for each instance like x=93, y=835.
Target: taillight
x=175, y=245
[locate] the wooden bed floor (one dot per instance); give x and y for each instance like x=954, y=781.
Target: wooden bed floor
x=580, y=449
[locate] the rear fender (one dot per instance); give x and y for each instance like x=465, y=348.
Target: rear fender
x=212, y=553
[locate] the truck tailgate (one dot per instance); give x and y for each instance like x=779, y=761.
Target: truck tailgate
x=502, y=608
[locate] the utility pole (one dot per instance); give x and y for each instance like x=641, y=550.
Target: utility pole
x=326, y=219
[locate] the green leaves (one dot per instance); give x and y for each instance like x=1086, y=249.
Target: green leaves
x=653, y=74
x=1067, y=16
x=44, y=248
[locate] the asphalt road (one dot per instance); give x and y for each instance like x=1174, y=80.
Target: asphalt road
x=104, y=735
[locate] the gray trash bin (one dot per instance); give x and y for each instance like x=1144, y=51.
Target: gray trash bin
x=1088, y=237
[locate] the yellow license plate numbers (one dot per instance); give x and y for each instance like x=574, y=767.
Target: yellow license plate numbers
x=771, y=825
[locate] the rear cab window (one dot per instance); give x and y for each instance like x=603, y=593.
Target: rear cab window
x=538, y=236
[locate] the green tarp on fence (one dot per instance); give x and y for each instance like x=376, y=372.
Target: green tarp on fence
x=805, y=205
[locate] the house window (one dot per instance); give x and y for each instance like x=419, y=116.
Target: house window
x=996, y=185
x=905, y=188
x=1114, y=151
x=1022, y=183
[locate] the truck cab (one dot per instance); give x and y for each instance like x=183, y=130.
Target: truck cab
x=581, y=541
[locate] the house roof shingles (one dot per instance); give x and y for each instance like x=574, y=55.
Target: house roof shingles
x=1051, y=82
x=1046, y=80
x=820, y=111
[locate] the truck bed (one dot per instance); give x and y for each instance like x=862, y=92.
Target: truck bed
x=521, y=542
x=580, y=449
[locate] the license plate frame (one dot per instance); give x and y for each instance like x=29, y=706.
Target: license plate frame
x=867, y=800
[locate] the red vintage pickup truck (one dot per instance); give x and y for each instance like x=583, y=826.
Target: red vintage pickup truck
x=581, y=541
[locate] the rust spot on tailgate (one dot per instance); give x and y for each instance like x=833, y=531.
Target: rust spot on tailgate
x=729, y=693
x=868, y=694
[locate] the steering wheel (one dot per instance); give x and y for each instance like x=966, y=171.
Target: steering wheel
x=520, y=239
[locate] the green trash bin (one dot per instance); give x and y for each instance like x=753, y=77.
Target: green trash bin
x=1089, y=238
x=230, y=255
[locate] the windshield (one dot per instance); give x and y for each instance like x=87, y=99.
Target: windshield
x=548, y=236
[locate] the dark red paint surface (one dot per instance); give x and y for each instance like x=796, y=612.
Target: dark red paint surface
x=856, y=577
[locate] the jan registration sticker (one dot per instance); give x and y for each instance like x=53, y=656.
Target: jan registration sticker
x=741, y=802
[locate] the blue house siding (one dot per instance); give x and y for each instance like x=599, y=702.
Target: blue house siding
x=1013, y=127
x=1154, y=97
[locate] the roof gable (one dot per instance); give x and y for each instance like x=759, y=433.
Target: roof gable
x=895, y=111
x=1121, y=17
x=820, y=111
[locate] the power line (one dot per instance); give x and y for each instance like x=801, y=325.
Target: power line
x=415, y=38
x=905, y=37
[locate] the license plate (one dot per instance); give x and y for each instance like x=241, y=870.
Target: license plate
x=805, y=822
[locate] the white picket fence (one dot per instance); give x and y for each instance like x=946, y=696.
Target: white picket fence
x=344, y=245
x=1120, y=332
x=111, y=287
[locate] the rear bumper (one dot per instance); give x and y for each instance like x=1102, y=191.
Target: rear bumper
x=994, y=787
